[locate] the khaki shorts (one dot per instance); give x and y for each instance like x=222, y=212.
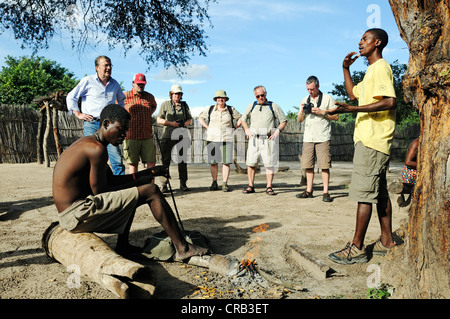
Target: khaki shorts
x=311, y=151
x=103, y=213
x=134, y=150
x=265, y=148
x=220, y=152
x=368, y=183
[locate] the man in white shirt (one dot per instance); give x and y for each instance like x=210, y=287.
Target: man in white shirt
x=96, y=91
x=316, y=136
x=262, y=137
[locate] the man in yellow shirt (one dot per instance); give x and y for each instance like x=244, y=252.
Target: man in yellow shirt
x=374, y=131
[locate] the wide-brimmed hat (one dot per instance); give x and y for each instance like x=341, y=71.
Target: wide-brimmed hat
x=221, y=93
x=176, y=89
x=139, y=79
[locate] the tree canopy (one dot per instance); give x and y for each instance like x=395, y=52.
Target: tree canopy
x=167, y=31
x=25, y=78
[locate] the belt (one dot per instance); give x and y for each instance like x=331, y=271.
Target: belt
x=94, y=119
x=262, y=135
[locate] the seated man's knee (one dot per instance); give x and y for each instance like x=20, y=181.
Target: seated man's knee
x=149, y=190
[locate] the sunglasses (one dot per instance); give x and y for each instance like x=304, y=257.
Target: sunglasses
x=258, y=96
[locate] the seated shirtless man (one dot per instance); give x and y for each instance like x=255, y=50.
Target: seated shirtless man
x=89, y=198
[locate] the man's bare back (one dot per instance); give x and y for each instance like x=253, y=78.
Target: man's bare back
x=72, y=173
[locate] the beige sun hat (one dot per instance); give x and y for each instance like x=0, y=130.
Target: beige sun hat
x=176, y=89
x=221, y=93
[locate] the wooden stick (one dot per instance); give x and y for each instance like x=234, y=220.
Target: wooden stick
x=46, y=135
x=311, y=264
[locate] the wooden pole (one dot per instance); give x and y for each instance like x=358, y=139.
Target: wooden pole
x=56, y=132
x=56, y=106
x=39, y=136
x=46, y=134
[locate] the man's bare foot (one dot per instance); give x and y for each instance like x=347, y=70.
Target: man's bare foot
x=191, y=250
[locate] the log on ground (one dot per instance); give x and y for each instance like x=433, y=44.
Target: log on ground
x=96, y=260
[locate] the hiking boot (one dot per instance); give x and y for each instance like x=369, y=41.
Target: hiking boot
x=184, y=187
x=379, y=249
x=225, y=187
x=305, y=194
x=326, y=197
x=214, y=186
x=350, y=255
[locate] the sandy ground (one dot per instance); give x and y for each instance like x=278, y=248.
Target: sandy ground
x=227, y=219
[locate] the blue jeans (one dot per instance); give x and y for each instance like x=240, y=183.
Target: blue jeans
x=115, y=157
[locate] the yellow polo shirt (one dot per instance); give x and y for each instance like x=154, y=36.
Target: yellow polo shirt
x=375, y=129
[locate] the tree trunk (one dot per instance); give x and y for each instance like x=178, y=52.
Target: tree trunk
x=420, y=268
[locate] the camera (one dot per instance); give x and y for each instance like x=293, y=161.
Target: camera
x=307, y=107
x=181, y=122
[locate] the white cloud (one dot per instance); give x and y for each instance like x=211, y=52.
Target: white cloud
x=193, y=74
x=160, y=100
x=196, y=110
x=257, y=9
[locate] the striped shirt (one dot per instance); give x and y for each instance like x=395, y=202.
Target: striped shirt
x=141, y=107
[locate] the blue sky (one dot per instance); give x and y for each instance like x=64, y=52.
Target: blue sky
x=277, y=44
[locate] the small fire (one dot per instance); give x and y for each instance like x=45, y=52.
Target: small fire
x=248, y=265
x=249, y=260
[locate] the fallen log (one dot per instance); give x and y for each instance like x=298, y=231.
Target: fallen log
x=96, y=260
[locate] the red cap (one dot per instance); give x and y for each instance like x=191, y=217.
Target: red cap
x=139, y=79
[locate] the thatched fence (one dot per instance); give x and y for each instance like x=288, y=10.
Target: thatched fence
x=19, y=130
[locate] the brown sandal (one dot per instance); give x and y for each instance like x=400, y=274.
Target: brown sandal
x=249, y=190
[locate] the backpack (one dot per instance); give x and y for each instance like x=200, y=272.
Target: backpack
x=230, y=110
x=270, y=106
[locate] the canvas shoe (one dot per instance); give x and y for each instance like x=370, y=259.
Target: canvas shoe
x=214, y=186
x=350, y=255
x=225, y=187
x=379, y=249
x=184, y=187
x=326, y=197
